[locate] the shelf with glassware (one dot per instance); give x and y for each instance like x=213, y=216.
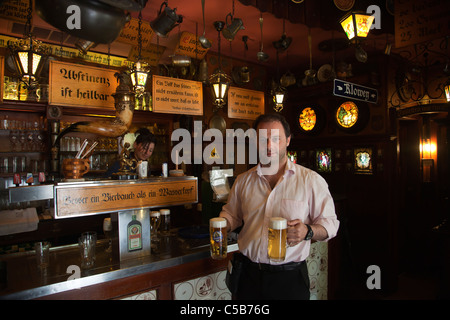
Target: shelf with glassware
x=23, y=146
x=108, y=149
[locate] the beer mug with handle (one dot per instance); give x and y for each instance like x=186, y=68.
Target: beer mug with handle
x=277, y=239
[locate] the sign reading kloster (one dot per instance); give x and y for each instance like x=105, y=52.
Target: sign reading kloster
x=354, y=91
x=74, y=85
x=86, y=199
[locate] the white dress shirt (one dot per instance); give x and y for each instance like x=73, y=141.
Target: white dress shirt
x=300, y=193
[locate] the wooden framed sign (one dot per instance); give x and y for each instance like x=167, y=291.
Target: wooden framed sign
x=77, y=85
x=2, y=85
x=244, y=103
x=179, y=96
x=190, y=46
x=418, y=21
x=130, y=30
x=84, y=199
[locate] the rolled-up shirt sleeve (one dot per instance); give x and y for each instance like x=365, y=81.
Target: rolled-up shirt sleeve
x=322, y=207
x=232, y=209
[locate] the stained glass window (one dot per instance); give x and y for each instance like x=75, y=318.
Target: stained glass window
x=363, y=160
x=347, y=114
x=292, y=155
x=323, y=160
x=307, y=119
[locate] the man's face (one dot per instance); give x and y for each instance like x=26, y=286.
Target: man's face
x=274, y=139
x=142, y=153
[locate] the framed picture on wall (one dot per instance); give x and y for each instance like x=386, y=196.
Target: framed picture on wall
x=363, y=160
x=324, y=160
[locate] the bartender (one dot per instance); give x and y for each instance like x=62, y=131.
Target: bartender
x=143, y=148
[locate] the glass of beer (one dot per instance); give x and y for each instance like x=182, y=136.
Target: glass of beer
x=165, y=221
x=218, y=238
x=155, y=221
x=277, y=239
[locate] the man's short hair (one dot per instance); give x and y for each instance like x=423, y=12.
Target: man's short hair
x=271, y=118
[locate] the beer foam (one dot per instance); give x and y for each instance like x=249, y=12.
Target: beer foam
x=218, y=222
x=278, y=223
x=164, y=211
x=154, y=214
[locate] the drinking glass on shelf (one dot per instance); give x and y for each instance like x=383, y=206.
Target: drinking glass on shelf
x=87, y=243
x=107, y=230
x=22, y=140
x=14, y=140
x=30, y=145
x=39, y=141
x=155, y=221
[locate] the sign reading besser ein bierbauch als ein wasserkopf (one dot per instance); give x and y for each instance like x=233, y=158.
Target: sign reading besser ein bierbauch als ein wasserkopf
x=86, y=199
x=85, y=86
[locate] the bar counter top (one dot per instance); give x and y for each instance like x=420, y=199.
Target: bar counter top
x=20, y=277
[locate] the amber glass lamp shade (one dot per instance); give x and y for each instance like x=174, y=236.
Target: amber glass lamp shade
x=139, y=75
x=219, y=83
x=447, y=90
x=279, y=95
x=28, y=58
x=356, y=25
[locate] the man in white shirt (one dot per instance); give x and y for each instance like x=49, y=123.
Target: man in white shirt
x=290, y=191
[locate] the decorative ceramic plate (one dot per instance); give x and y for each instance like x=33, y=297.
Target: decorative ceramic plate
x=344, y=5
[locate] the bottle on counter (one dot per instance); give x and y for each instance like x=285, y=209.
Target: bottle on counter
x=134, y=234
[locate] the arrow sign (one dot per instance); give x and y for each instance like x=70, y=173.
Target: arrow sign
x=354, y=91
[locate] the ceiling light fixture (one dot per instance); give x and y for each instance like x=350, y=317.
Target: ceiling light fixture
x=140, y=70
x=219, y=80
x=29, y=55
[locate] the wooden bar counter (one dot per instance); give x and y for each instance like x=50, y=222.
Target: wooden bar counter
x=176, y=261
x=153, y=271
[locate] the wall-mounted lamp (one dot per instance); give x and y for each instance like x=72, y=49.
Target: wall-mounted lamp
x=427, y=152
x=427, y=149
x=447, y=90
x=357, y=26
x=219, y=80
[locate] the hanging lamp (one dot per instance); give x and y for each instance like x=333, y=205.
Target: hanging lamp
x=219, y=80
x=278, y=93
x=140, y=70
x=29, y=55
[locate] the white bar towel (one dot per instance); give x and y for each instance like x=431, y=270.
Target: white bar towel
x=16, y=221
